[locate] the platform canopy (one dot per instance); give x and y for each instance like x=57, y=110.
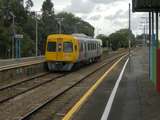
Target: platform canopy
x=146, y=5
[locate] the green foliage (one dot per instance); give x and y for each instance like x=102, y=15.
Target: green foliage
x=47, y=8
x=19, y=11
x=119, y=39
x=4, y=42
x=116, y=40
x=72, y=24
x=25, y=23
x=105, y=40
x=27, y=46
x=47, y=23
x=29, y=4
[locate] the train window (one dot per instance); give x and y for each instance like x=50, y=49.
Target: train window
x=88, y=46
x=67, y=47
x=91, y=46
x=51, y=47
x=81, y=47
x=98, y=45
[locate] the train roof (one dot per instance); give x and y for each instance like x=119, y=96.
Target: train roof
x=75, y=35
x=81, y=35
x=85, y=37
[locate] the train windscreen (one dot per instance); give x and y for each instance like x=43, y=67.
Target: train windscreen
x=51, y=47
x=67, y=47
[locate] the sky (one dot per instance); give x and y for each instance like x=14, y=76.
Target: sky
x=107, y=16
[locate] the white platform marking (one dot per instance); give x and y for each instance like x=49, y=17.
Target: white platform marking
x=112, y=96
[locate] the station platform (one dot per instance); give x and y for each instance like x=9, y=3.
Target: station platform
x=136, y=97
x=6, y=62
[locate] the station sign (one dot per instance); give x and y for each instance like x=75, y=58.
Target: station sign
x=19, y=36
x=146, y=5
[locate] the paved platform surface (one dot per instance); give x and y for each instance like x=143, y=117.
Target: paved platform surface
x=4, y=62
x=136, y=97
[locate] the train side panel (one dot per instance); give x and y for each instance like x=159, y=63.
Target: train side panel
x=89, y=49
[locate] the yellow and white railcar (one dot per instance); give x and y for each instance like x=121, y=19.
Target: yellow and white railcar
x=65, y=51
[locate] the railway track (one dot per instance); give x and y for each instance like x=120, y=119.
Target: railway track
x=14, y=91
x=18, y=88
x=11, y=91
x=29, y=114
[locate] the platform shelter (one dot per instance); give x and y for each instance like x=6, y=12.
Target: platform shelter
x=153, y=9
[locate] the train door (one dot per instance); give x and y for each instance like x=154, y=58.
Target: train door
x=68, y=50
x=85, y=50
x=81, y=50
x=59, y=48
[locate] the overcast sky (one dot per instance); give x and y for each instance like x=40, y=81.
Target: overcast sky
x=106, y=16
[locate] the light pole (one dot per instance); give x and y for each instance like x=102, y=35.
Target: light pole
x=129, y=41
x=143, y=29
x=145, y=25
x=36, y=20
x=13, y=28
x=59, y=20
x=36, y=36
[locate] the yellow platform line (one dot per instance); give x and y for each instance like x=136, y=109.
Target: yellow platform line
x=85, y=97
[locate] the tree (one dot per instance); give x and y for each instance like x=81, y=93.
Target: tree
x=72, y=24
x=25, y=23
x=105, y=40
x=29, y=4
x=5, y=29
x=48, y=24
x=47, y=8
x=19, y=11
x=119, y=39
x=115, y=42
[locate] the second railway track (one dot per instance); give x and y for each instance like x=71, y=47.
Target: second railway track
x=15, y=89
x=19, y=88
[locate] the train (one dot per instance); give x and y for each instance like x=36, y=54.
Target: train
x=64, y=52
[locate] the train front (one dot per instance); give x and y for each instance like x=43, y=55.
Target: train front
x=61, y=52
